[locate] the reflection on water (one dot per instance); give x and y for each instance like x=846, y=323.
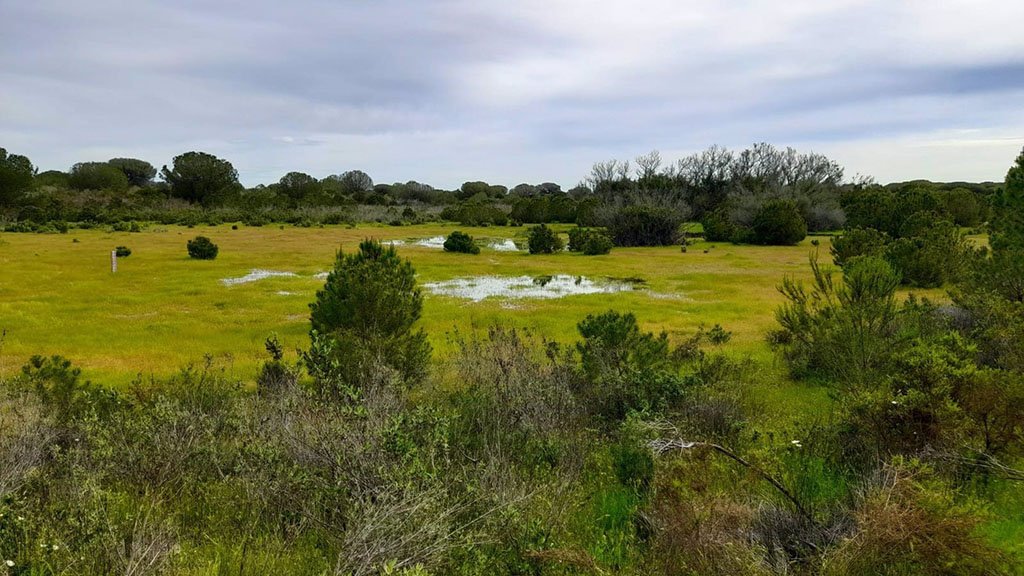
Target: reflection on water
x=478, y=288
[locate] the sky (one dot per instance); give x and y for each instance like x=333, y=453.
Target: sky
x=445, y=91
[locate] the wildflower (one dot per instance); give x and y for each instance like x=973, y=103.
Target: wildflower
x=796, y=443
x=55, y=547
x=10, y=563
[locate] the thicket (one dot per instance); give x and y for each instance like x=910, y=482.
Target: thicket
x=202, y=248
x=544, y=240
x=589, y=241
x=460, y=242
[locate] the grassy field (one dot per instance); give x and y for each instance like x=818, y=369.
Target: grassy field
x=162, y=310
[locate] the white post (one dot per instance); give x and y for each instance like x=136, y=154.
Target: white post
x=113, y=261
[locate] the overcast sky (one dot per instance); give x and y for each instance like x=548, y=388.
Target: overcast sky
x=513, y=91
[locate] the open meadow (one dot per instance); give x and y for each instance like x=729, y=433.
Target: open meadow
x=163, y=310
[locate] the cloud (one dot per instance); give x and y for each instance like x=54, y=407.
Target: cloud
x=456, y=90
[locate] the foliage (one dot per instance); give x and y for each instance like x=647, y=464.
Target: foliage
x=97, y=176
x=202, y=248
x=589, y=242
x=16, y=174
x=626, y=368
x=778, y=223
x=123, y=251
x=200, y=177
x=718, y=227
x=932, y=257
x=138, y=172
x=846, y=332
x=460, y=242
x=368, y=307
x=856, y=242
x=544, y=240
x=642, y=225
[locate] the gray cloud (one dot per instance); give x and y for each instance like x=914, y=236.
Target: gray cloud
x=457, y=89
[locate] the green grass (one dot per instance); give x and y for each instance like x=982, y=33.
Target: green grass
x=162, y=310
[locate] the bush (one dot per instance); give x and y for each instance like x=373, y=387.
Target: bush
x=461, y=242
x=597, y=243
x=932, y=259
x=718, y=227
x=202, y=248
x=858, y=242
x=589, y=242
x=366, y=310
x=544, y=240
x=123, y=251
x=778, y=223
x=645, y=226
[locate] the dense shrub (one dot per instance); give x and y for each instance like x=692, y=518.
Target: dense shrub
x=597, y=243
x=627, y=369
x=643, y=225
x=544, y=240
x=589, y=242
x=847, y=332
x=718, y=227
x=475, y=212
x=123, y=251
x=460, y=242
x=778, y=223
x=367, y=309
x=858, y=242
x=202, y=248
x=933, y=258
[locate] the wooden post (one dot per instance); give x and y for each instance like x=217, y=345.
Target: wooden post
x=113, y=261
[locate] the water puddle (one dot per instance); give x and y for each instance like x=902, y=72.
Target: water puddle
x=503, y=246
x=480, y=288
x=436, y=242
x=256, y=274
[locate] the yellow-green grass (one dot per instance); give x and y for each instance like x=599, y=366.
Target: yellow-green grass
x=162, y=310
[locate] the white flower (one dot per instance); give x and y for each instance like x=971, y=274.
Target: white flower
x=795, y=443
x=20, y=518
x=55, y=547
x=10, y=563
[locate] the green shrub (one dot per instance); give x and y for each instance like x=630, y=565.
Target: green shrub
x=202, y=248
x=367, y=309
x=589, y=242
x=123, y=251
x=461, y=242
x=937, y=256
x=544, y=240
x=778, y=223
x=645, y=226
x=718, y=227
x=597, y=243
x=858, y=242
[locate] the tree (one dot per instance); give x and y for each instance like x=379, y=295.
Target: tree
x=138, y=172
x=367, y=308
x=97, y=176
x=200, y=177
x=16, y=174
x=354, y=182
x=299, y=187
x=1008, y=223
